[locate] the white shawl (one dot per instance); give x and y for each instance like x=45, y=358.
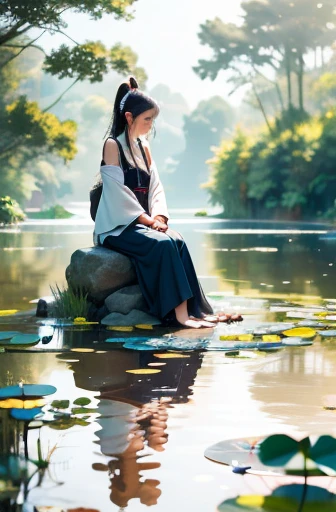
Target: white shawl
x=118, y=205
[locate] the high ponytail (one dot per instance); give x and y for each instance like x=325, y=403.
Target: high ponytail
x=128, y=99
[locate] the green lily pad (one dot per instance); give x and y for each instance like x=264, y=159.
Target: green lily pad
x=83, y=400
x=60, y=404
x=323, y=452
x=83, y=410
x=25, y=339
x=7, y=335
x=277, y=450
x=286, y=498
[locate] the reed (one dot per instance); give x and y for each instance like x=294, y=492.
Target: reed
x=69, y=303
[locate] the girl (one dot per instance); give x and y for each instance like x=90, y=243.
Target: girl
x=132, y=216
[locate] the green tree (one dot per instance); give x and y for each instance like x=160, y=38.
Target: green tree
x=276, y=36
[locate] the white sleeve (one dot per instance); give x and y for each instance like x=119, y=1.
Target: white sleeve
x=156, y=196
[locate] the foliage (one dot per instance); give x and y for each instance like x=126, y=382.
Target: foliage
x=10, y=211
x=69, y=303
x=54, y=212
x=285, y=173
x=201, y=213
x=275, y=36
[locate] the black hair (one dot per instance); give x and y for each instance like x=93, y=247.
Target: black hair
x=136, y=102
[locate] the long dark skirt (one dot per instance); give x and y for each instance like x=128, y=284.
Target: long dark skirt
x=164, y=269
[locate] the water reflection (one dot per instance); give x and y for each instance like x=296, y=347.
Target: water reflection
x=274, y=264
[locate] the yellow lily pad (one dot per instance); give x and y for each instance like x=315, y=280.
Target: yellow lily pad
x=121, y=328
x=82, y=350
x=251, y=501
x=245, y=337
x=228, y=337
x=16, y=403
x=143, y=371
x=301, y=332
x=144, y=326
x=7, y=312
x=171, y=355
x=271, y=338
x=322, y=314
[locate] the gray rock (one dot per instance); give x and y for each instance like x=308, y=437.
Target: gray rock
x=99, y=272
x=134, y=317
x=126, y=299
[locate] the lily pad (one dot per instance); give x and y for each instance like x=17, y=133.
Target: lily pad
x=82, y=401
x=60, y=404
x=27, y=390
x=7, y=335
x=144, y=326
x=143, y=371
x=327, y=334
x=302, y=332
x=271, y=338
x=121, y=328
x=8, y=312
x=278, y=450
x=25, y=414
x=286, y=498
x=296, y=342
x=25, y=339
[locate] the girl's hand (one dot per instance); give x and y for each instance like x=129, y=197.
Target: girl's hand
x=159, y=226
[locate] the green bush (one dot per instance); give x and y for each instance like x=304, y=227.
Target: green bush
x=10, y=211
x=288, y=174
x=54, y=212
x=201, y=213
x=69, y=303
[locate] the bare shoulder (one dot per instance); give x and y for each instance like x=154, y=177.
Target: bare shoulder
x=111, y=152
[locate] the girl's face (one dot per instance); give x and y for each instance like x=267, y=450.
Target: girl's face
x=143, y=123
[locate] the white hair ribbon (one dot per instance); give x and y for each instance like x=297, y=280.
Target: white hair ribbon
x=122, y=103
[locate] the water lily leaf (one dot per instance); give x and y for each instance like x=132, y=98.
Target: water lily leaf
x=143, y=371
x=327, y=334
x=25, y=414
x=65, y=423
x=60, y=404
x=121, y=328
x=323, y=452
x=171, y=356
x=25, y=339
x=7, y=335
x=83, y=400
x=82, y=349
x=277, y=450
x=296, y=342
x=8, y=312
x=27, y=390
x=144, y=326
x=245, y=337
x=271, y=338
x=16, y=403
x=228, y=337
x=83, y=410
x=286, y=498
x=321, y=314
x=302, y=332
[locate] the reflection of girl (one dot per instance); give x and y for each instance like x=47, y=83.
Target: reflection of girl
x=132, y=216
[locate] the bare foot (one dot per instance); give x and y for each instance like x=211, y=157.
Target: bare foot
x=204, y=322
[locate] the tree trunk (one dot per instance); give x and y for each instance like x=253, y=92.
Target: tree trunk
x=288, y=75
x=300, y=73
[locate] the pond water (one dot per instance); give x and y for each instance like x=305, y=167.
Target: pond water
x=142, y=439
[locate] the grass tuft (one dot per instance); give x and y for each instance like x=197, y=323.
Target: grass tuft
x=69, y=303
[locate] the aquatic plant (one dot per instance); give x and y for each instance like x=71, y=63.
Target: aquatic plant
x=69, y=303
x=54, y=212
x=10, y=211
